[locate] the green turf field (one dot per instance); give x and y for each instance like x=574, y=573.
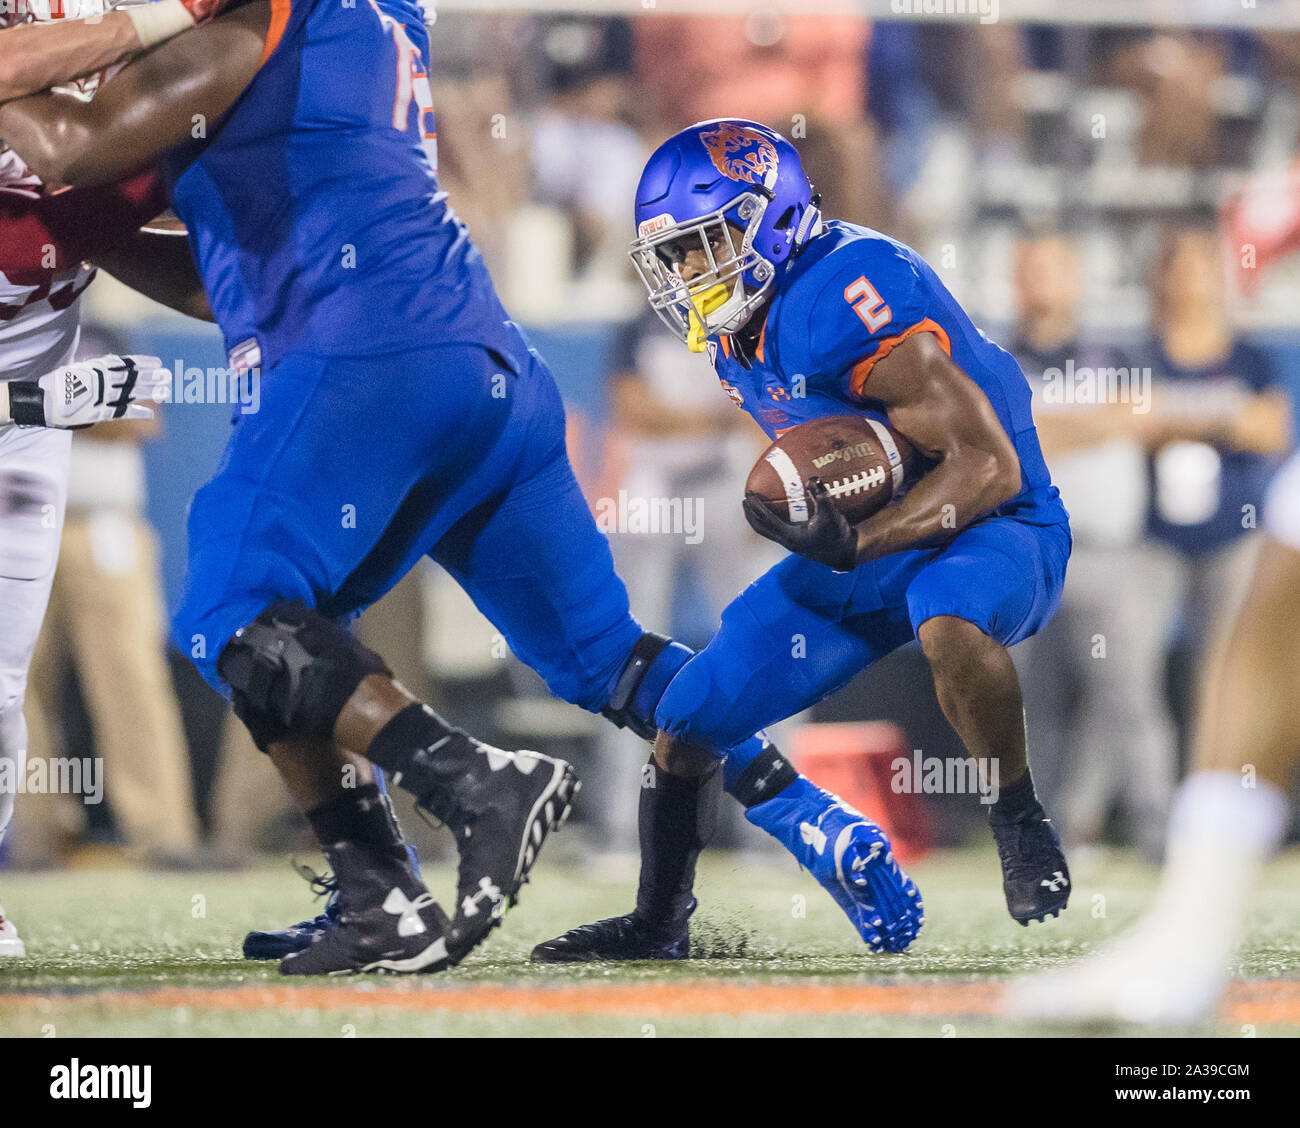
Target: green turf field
x=123, y=953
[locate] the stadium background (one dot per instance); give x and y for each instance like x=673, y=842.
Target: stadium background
x=1112, y=121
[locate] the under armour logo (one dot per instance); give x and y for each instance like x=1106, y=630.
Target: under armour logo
x=486, y=888
x=813, y=836
x=409, y=922
x=1056, y=882
x=860, y=863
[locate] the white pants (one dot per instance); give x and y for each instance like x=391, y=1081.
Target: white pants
x=33, y=494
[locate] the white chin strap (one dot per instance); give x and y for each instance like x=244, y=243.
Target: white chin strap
x=810, y=226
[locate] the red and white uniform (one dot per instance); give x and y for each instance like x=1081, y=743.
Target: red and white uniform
x=41, y=280
x=44, y=242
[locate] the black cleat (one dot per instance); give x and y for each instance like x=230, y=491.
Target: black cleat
x=387, y=920
x=282, y=942
x=501, y=807
x=1035, y=878
x=618, y=938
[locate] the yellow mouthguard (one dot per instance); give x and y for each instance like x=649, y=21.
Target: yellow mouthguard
x=714, y=298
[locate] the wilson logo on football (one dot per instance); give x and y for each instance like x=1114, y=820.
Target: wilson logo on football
x=844, y=454
x=740, y=153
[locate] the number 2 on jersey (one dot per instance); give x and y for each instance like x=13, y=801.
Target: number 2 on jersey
x=868, y=304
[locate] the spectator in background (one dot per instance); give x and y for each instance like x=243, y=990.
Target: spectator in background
x=586, y=153
x=1174, y=74
x=802, y=75
x=480, y=151
x=919, y=74
x=106, y=618
x=1093, y=679
x=676, y=434
x=901, y=102
x=1219, y=422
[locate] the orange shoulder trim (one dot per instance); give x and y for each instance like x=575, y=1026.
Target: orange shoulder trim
x=280, y=10
x=859, y=376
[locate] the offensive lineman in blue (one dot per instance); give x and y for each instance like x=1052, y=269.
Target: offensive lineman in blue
x=403, y=413
x=805, y=318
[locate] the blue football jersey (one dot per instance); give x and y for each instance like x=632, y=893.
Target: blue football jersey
x=850, y=298
x=313, y=205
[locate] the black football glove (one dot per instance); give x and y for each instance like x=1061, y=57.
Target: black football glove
x=826, y=537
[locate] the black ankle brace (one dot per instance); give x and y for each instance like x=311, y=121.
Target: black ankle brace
x=363, y=815
x=422, y=754
x=766, y=776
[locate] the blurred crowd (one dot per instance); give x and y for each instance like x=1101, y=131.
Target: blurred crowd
x=1091, y=195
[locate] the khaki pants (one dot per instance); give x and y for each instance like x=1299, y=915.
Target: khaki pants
x=106, y=616
x=1100, y=733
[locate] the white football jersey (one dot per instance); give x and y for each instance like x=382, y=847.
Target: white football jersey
x=40, y=280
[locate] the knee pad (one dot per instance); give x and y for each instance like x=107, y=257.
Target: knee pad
x=292, y=670
x=653, y=663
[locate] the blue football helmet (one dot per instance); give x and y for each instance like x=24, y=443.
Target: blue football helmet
x=737, y=190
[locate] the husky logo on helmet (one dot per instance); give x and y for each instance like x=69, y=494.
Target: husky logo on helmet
x=740, y=153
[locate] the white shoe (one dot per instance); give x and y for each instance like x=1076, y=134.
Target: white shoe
x=10, y=943
x=1142, y=978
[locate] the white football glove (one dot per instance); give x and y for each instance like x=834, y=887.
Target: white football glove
x=93, y=391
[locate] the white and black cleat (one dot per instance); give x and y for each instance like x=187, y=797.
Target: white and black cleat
x=387, y=921
x=505, y=806
x=11, y=944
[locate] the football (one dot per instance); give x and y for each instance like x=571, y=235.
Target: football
x=861, y=460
